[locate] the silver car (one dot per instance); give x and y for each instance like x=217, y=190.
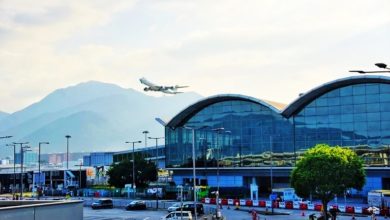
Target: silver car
x=177, y=215
x=174, y=207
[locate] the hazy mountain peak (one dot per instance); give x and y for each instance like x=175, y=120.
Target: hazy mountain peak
x=98, y=116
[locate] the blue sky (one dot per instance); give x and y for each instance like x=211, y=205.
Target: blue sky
x=268, y=49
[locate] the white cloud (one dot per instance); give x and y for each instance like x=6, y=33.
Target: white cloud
x=267, y=49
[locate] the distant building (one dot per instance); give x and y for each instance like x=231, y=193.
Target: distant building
x=55, y=158
x=60, y=158
x=98, y=159
x=5, y=161
x=29, y=158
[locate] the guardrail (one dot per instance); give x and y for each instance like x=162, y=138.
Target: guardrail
x=41, y=210
x=296, y=205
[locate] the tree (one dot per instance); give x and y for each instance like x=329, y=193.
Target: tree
x=122, y=173
x=324, y=171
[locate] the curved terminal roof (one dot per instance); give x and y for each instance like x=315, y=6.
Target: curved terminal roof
x=181, y=118
x=305, y=99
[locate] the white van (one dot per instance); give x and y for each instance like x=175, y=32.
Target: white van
x=178, y=215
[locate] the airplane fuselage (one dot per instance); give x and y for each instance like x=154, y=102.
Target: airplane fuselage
x=156, y=88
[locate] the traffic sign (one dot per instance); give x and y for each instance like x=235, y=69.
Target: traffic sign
x=273, y=196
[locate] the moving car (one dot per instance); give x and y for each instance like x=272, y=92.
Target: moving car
x=136, y=205
x=189, y=206
x=102, y=204
x=178, y=215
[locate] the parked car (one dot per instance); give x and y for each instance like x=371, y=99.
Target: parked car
x=189, y=206
x=136, y=205
x=174, y=207
x=178, y=215
x=102, y=204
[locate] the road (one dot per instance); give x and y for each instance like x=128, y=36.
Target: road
x=150, y=214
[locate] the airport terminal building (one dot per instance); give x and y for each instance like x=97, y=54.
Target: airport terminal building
x=241, y=140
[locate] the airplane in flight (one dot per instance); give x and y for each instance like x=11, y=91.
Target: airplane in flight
x=156, y=88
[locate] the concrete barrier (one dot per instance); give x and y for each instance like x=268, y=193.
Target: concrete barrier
x=41, y=210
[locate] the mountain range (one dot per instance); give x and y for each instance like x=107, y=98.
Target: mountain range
x=3, y=115
x=98, y=116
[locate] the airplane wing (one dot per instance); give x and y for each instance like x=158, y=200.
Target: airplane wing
x=170, y=92
x=146, y=82
x=179, y=87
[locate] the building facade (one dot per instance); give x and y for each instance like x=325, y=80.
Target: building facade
x=241, y=140
x=149, y=153
x=98, y=159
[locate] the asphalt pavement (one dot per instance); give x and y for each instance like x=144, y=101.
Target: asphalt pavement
x=229, y=214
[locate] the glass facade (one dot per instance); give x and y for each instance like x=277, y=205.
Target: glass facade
x=355, y=116
x=251, y=132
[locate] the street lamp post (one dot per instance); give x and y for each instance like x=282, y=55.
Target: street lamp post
x=39, y=165
x=271, y=170
x=156, y=138
x=14, y=147
x=194, y=165
x=21, y=157
x=193, y=171
x=67, y=151
x=24, y=149
x=80, y=165
x=14, y=183
x=379, y=65
x=146, y=132
x=133, y=186
x=180, y=187
x=218, y=214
